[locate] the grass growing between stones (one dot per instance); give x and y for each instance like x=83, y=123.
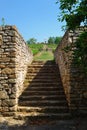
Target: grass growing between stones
x=44, y=55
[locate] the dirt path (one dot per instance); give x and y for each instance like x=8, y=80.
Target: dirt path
x=37, y=55
x=44, y=56
x=73, y=124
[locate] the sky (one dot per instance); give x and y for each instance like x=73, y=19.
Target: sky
x=33, y=18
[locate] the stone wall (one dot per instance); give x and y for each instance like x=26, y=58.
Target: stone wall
x=73, y=79
x=14, y=59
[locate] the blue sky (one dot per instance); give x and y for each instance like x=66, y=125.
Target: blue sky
x=33, y=18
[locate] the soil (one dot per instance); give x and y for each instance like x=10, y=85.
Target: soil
x=24, y=124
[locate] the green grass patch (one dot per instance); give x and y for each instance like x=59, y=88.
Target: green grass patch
x=52, y=46
x=44, y=55
x=36, y=48
x=41, y=51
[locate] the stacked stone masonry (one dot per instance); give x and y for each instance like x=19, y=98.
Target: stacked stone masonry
x=15, y=56
x=74, y=82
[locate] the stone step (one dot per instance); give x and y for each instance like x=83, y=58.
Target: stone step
x=46, y=70
x=30, y=75
x=42, y=80
x=42, y=103
x=39, y=62
x=42, y=83
x=38, y=84
x=43, y=62
x=43, y=66
x=45, y=85
x=46, y=67
x=43, y=74
x=43, y=69
x=47, y=88
x=42, y=97
x=44, y=116
x=45, y=109
x=54, y=92
x=42, y=91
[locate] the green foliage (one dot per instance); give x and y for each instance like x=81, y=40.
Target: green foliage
x=3, y=21
x=79, y=49
x=44, y=55
x=80, y=53
x=51, y=40
x=74, y=12
x=54, y=40
x=57, y=40
x=32, y=41
x=67, y=48
x=52, y=46
x=36, y=48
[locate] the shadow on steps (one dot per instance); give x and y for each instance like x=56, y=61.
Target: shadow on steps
x=44, y=96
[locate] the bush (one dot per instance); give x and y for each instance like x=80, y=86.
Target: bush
x=80, y=53
x=36, y=48
x=52, y=46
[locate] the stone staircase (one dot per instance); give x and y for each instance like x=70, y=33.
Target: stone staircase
x=44, y=96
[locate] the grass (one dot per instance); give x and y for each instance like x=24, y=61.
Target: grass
x=52, y=46
x=44, y=55
x=36, y=48
x=41, y=51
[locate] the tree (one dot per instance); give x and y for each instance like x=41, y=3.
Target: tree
x=57, y=40
x=3, y=21
x=80, y=53
x=54, y=40
x=74, y=12
x=51, y=40
x=32, y=41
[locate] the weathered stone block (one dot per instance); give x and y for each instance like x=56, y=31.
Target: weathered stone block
x=5, y=109
x=1, y=86
x=1, y=32
x=1, y=40
x=12, y=80
x=12, y=109
x=0, y=103
x=7, y=70
x=6, y=59
x=12, y=96
x=13, y=90
x=12, y=102
x=3, y=95
x=14, y=40
x=8, y=102
x=14, y=28
x=14, y=59
x=75, y=85
x=85, y=95
x=12, y=76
